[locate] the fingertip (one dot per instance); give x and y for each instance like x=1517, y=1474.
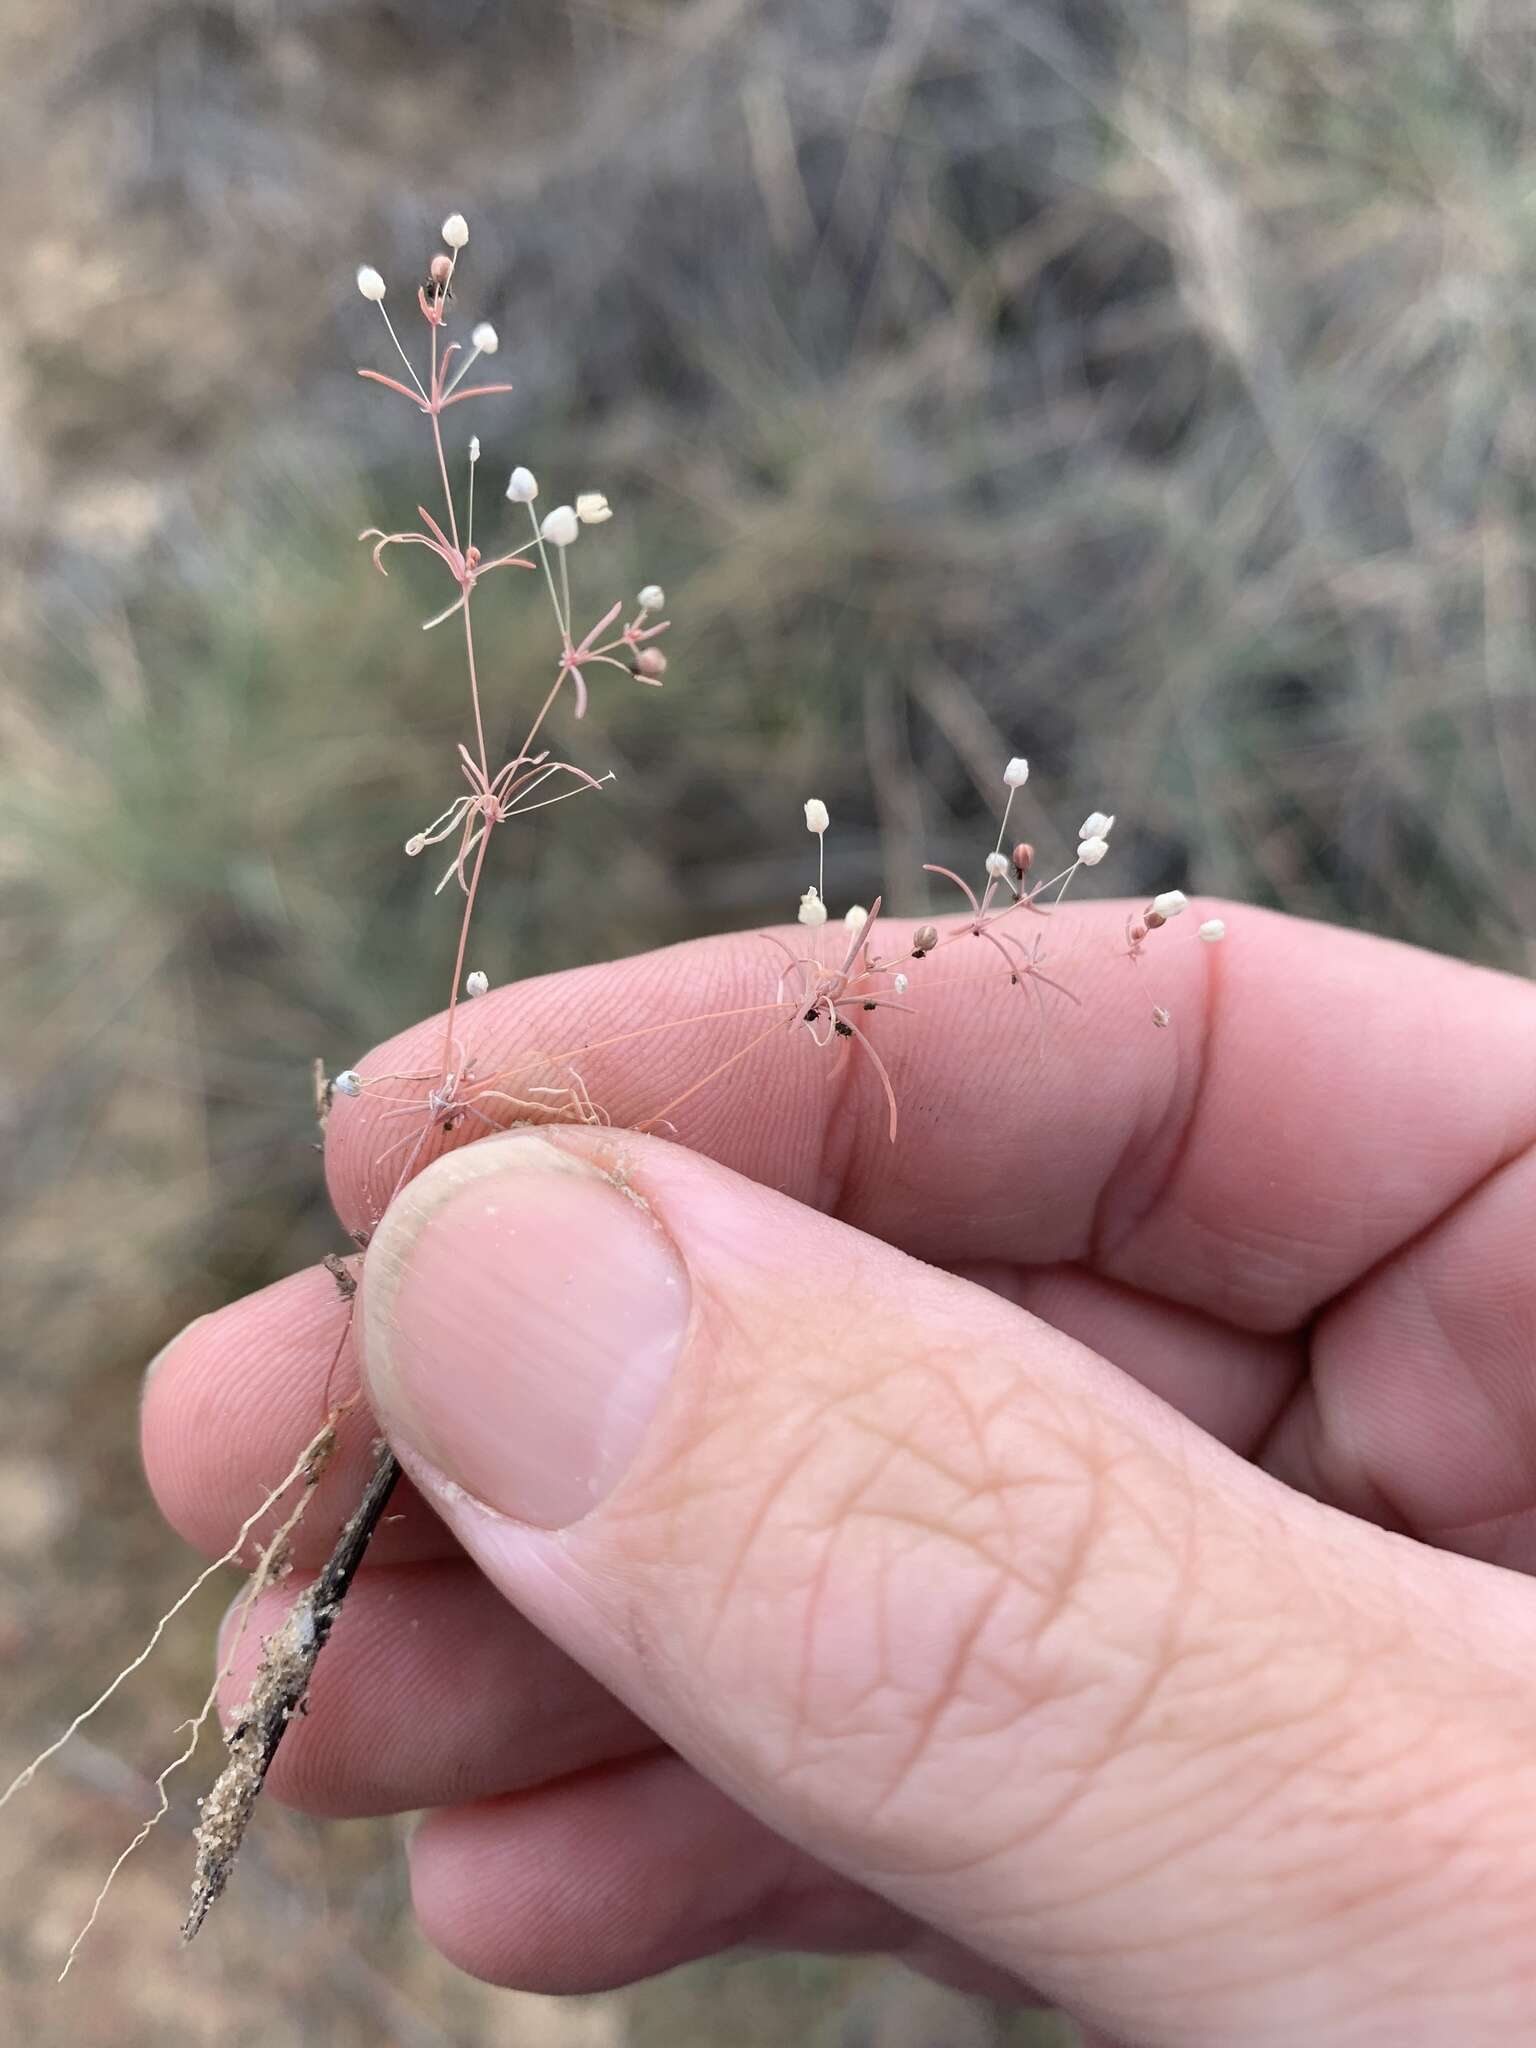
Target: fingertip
x=232, y=1402
x=594, y=1882
x=235, y=1391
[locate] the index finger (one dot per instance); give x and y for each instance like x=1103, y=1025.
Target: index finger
x=1318, y=1098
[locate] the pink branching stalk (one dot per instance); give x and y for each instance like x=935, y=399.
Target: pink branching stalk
x=520, y=785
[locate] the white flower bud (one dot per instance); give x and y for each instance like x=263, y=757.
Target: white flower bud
x=592, y=508
x=561, y=526
x=522, y=486
x=1016, y=774
x=476, y=983
x=474, y=447
x=899, y=984
x=1170, y=903
x=998, y=865
x=485, y=338
x=816, y=818
x=812, y=910
x=653, y=598
x=1213, y=931
x=348, y=1083
x=1092, y=851
x=370, y=284
x=1096, y=825
x=856, y=917
x=651, y=663
x=455, y=230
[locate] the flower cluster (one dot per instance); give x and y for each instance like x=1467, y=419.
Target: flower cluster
x=533, y=777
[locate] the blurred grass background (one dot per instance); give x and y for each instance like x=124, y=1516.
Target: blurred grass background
x=1143, y=385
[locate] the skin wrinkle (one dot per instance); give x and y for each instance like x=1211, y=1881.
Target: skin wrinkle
x=1318, y=1711
x=1435, y=1306
x=805, y=1669
x=841, y=1130
x=1030, y=1702
x=1105, y=1246
x=1161, y=1663
x=839, y=1515
x=945, y=1692
x=1000, y=1560
x=812, y=1441
x=838, y=1521
x=1327, y=1419
x=1334, y=1937
x=1169, y=1850
x=729, y=1579
x=1337, y=1920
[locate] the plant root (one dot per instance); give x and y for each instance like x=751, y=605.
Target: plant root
x=277, y=1694
x=270, y=1566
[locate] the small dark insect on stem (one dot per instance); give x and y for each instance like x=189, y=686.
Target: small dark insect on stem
x=282, y=1680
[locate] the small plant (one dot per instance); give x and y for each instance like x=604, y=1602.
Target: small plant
x=826, y=988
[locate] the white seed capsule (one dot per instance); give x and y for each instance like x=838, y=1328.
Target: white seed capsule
x=651, y=663
x=474, y=447
x=1170, y=903
x=1097, y=825
x=856, y=917
x=369, y=283
x=348, y=1083
x=561, y=526
x=476, y=983
x=592, y=508
x=1092, y=851
x=485, y=338
x=816, y=817
x=998, y=865
x=1016, y=774
x=522, y=486
x=653, y=598
x=899, y=984
x=812, y=910
x=1213, y=931
x=455, y=230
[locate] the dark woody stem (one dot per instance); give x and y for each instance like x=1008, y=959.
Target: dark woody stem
x=277, y=1693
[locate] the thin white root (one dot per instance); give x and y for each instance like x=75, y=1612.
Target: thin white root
x=318, y=1447
x=308, y=1466
x=269, y=1566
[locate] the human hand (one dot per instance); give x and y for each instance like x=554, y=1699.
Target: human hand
x=1060, y=1548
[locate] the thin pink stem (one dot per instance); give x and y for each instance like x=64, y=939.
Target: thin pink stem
x=458, y=965
x=475, y=391
x=393, y=384
x=474, y=691
x=931, y=868
x=592, y=1045
x=442, y=460
x=544, y=710
x=880, y=1069
x=705, y=1079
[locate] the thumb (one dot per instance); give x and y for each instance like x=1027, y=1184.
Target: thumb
x=959, y=1609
